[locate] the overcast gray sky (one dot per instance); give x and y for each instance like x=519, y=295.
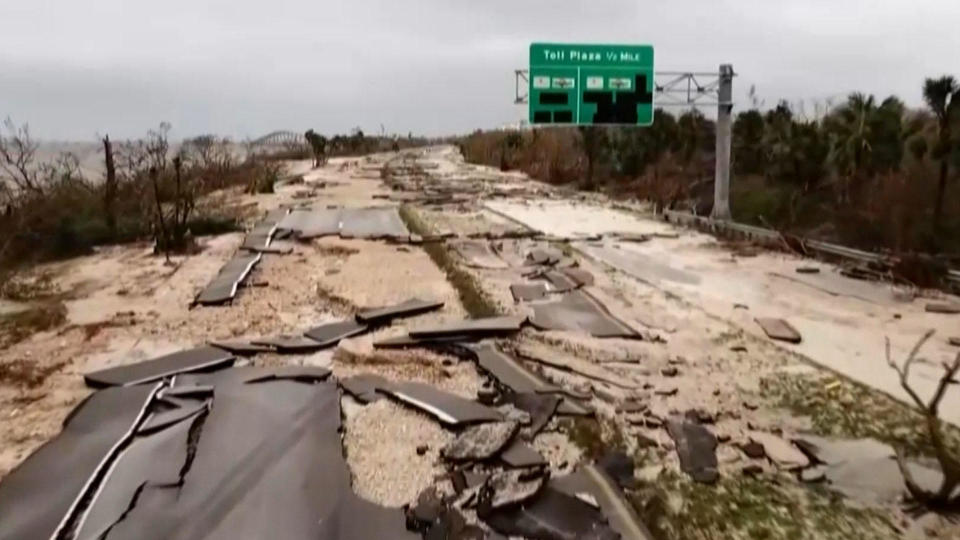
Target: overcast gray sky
x=75, y=68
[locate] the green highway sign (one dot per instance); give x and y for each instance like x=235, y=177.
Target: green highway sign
x=591, y=84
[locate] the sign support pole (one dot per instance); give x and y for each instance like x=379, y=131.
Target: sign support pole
x=721, y=193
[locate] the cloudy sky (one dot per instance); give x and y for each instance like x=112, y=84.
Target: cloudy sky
x=75, y=68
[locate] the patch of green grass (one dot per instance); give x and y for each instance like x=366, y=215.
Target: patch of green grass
x=840, y=408
x=474, y=299
x=675, y=507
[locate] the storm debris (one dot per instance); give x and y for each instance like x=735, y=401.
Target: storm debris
x=201, y=358
x=696, y=448
x=578, y=311
x=223, y=287
x=480, y=442
x=779, y=329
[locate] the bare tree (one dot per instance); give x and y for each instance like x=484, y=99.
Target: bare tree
x=18, y=153
x=949, y=464
x=110, y=188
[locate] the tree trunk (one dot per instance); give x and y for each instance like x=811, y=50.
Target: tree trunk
x=941, y=192
x=110, y=189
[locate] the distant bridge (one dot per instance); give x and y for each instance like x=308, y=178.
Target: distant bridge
x=281, y=138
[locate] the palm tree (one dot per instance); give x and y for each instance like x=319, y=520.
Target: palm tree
x=943, y=97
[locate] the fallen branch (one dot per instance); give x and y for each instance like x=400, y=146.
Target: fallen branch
x=949, y=464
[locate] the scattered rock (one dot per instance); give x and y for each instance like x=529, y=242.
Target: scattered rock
x=510, y=487
x=666, y=391
x=784, y=454
x=487, y=395
x=422, y=449
x=779, y=329
x=753, y=450
x=513, y=414
x=808, y=270
x=677, y=361
x=670, y=372
x=955, y=341
x=723, y=437
x=750, y=406
x=480, y=442
x=739, y=348
x=741, y=306
x=751, y=469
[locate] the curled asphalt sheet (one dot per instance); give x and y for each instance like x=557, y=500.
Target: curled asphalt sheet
x=525, y=292
x=37, y=496
x=512, y=374
x=372, y=223
x=509, y=372
x=224, y=286
x=312, y=223
x=411, y=307
x=614, y=506
x=577, y=311
x=477, y=254
x=201, y=358
x=330, y=334
x=473, y=327
x=450, y=409
x=347, y=222
x=553, y=515
x=269, y=446
x=520, y=455
x=363, y=387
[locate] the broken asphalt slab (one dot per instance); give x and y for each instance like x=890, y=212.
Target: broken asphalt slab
x=270, y=445
x=199, y=359
x=480, y=442
x=779, y=329
x=619, y=512
x=411, y=307
x=450, y=409
x=477, y=254
x=372, y=223
x=472, y=327
x=578, y=311
x=525, y=292
x=327, y=335
x=223, y=287
x=37, y=498
x=696, y=448
x=551, y=514
x=363, y=387
x=780, y=451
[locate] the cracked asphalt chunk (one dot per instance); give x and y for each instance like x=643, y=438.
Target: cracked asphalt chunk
x=696, y=448
x=577, y=311
x=481, y=442
x=448, y=408
x=201, y=358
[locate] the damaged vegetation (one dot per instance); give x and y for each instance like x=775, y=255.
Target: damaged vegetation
x=39, y=317
x=676, y=508
x=475, y=301
x=840, y=408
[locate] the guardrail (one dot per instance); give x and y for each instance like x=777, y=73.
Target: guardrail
x=759, y=233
